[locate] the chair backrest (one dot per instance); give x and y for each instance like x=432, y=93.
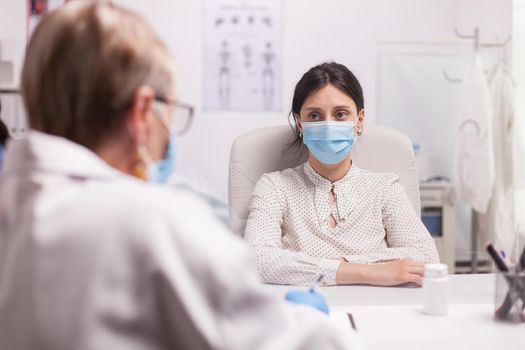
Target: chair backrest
x=261, y=151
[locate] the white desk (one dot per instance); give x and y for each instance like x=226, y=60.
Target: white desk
x=392, y=318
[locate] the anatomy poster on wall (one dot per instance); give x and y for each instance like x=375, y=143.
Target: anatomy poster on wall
x=242, y=55
x=36, y=10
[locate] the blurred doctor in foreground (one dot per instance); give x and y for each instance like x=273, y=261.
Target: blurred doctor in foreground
x=92, y=257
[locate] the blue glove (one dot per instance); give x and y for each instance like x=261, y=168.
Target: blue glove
x=310, y=298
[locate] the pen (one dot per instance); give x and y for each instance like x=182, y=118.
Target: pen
x=500, y=264
x=504, y=256
x=352, y=322
x=514, y=291
x=316, y=283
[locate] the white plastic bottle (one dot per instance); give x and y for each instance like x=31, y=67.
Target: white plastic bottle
x=435, y=290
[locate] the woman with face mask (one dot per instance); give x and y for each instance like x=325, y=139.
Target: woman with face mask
x=93, y=253
x=327, y=215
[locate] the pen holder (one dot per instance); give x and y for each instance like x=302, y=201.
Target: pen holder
x=510, y=297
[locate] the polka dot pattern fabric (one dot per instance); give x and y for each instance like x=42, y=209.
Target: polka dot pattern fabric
x=291, y=237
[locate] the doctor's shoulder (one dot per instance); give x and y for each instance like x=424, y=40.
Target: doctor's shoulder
x=153, y=213
x=183, y=227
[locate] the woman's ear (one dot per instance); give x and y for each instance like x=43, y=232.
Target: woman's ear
x=360, y=120
x=298, y=125
x=139, y=117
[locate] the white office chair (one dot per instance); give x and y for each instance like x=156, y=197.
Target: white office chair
x=260, y=151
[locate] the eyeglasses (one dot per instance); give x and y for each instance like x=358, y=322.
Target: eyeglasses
x=181, y=117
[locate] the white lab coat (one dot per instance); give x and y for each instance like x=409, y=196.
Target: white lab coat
x=497, y=225
x=93, y=259
x=474, y=170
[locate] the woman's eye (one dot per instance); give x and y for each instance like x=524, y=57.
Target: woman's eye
x=314, y=116
x=341, y=115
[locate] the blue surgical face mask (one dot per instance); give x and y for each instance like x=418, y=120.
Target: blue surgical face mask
x=161, y=170
x=330, y=142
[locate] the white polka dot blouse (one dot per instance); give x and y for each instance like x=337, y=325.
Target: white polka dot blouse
x=290, y=233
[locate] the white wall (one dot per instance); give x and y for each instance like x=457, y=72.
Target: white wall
x=494, y=17
x=313, y=31
x=12, y=36
x=13, y=20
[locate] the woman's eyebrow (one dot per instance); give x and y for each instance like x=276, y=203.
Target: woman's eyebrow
x=313, y=109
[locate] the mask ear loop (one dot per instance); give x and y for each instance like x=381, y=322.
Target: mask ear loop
x=156, y=108
x=141, y=160
x=143, y=152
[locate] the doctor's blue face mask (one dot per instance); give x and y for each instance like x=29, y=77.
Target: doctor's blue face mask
x=330, y=142
x=160, y=171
